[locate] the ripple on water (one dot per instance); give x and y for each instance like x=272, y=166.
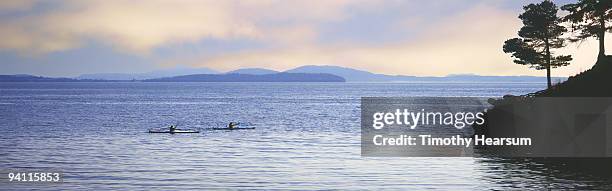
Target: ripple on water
x=306, y=137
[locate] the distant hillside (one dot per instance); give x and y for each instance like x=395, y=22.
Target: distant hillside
x=347, y=74
x=30, y=78
x=148, y=75
x=254, y=71
x=353, y=75
x=277, y=77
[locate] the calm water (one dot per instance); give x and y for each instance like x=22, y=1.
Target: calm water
x=307, y=136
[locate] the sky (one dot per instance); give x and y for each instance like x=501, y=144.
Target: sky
x=400, y=37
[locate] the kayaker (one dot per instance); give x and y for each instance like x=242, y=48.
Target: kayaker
x=231, y=125
x=172, y=128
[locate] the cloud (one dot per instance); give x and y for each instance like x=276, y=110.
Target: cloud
x=466, y=42
x=141, y=25
x=16, y=5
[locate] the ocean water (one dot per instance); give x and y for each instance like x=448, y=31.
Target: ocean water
x=307, y=136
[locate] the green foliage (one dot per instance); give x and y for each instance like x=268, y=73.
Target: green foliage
x=524, y=53
x=540, y=33
x=541, y=23
x=588, y=18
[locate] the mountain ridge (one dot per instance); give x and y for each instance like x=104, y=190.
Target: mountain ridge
x=255, y=71
x=349, y=74
x=355, y=75
x=147, y=75
x=236, y=77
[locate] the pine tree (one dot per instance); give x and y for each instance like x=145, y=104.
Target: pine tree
x=540, y=34
x=589, y=18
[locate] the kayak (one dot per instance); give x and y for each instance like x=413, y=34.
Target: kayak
x=235, y=128
x=175, y=131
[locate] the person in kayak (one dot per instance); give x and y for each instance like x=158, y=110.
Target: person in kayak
x=172, y=128
x=231, y=125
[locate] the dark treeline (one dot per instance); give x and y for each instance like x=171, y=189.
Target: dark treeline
x=544, y=30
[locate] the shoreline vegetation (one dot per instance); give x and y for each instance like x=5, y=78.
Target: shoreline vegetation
x=588, y=19
x=585, y=84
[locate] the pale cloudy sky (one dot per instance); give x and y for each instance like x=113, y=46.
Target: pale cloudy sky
x=424, y=38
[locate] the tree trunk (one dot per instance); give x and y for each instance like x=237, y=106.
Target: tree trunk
x=548, y=76
x=601, y=36
x=548, y=64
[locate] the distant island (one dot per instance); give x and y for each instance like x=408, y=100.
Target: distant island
x=354, y=75
x=147, y=75
x=349, y=74
x=235, y=77
x=228, y=77
x=256, y=71
x=31, y=78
